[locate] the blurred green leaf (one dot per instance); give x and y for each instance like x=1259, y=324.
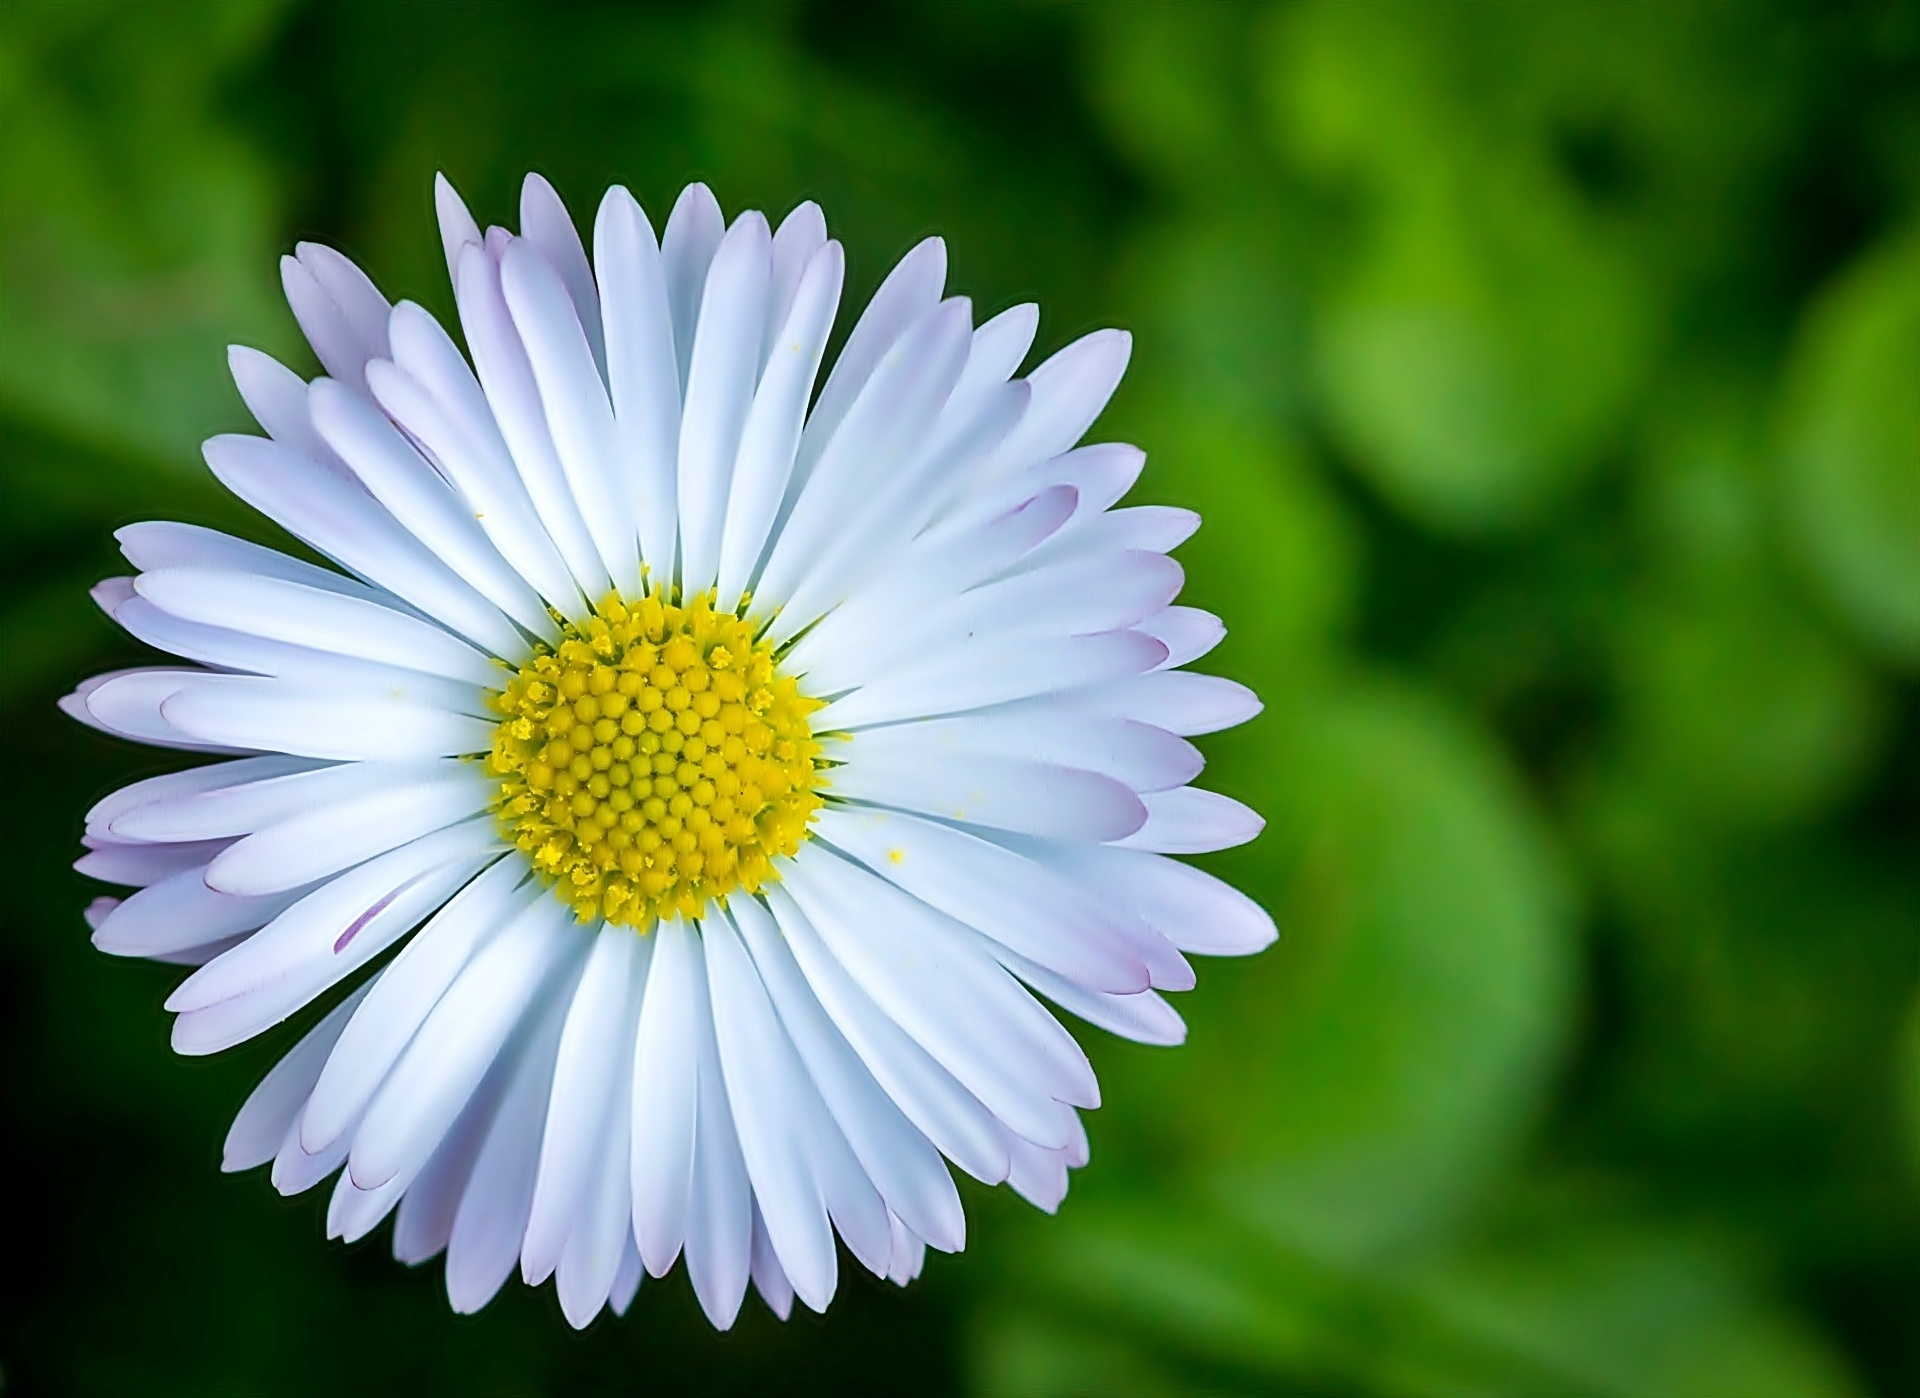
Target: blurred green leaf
x=1357, y=1088
x=1851, y=454
x=1475, y=355
x=140, y=232
x=1557, y=1298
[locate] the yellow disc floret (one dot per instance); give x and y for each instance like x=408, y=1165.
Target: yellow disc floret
x=655, y=761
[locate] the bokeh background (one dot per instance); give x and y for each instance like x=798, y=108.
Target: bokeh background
x=1549, y=377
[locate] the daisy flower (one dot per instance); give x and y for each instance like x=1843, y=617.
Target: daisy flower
x=677, y=800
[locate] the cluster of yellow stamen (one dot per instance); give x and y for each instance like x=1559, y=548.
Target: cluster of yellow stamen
x=655, y=761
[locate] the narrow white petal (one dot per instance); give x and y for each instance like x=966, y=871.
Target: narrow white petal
x=665, y=1093
x=127, y=703
x=341, y=350
x=500, y=360
x=992, y=671
x=1187, y=632
x=246, y=711
x=241, y=807
x=349, y=526
x=800, y=235
x=930, y=1096
x=1069, y=390
x=295, y=1172
x=893, y=1152
x=457, y=227
x=768, y=1092
x=578, y=415
x=720, y=1201
x=910, y=291
x=416, y=495
x=627, y=1276
x=768, y=1278
x=352, y=1212
x=596, y=1055
x=180, y=912
x=1039, y=1176
x=1018, y=903
x=1142, y=1017
x=908, y=1254
x=1138, y=755
x=272, y=1107
x=772, y=431
x=424, y=1222
x=1189, y=907
x=453, y=1050
x=406, y=993
x=319, y=941
x=492, y=1217
x=693, y=233
x=175, y=787
x=940, y=983
x=156, y=544
x=895, y=767
x=1176, y=700
x=643, y=371
x=277, y=398
x=1192, y=821
x=547, y=227
x=721, y=375
x=142, y=865
x=316, y=618
x=362, y=308
x=601, y=1237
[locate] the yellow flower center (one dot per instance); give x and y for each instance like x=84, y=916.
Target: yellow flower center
x=655, y=761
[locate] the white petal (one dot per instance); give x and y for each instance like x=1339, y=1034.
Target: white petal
x=910, y=291
x=180, y=912
x=245, y=806
x=643, y=372
x=721, y=375
x=317, y=619
x=175, y=787
x=800, y=235
x=246, y=711
x=429, y=390
x=406, y=993
x=931, y=1097
x=901, y=1162
x=1187, y=632
x=352, y=1212
x=271, y=1108
x=720, y=1202
x=1069, y=390
x=416, y=495
x=602, y=1231
x=295, y=1172
x=939, y=982
x=894, y=767
x=317, y=942
x=129, y=703
x=578, y=415
x=627, y=1276
x=340, y=349
x=493, y=1212
x=1191, y=821
x=882, y=431
x=362, y=309
x=500, y=360
x=1176, y=700
x=1138, y=755
x=1020, y=904
x=1190, y=908
x=692, y=235
x=547, y=227
x=768, y=1091
x=772, y=432
x=908, y=1255
x=277, y=398
x=349, y=526
x=142, y=865
x=1142, y=1017
x=156, y=544
x=453, y=1050
x=457, y=227
x=1039, y=1176
x=596, y=1057
x=992, y=671
x=768, y=1279
x=664, y=1099
x=424, y=1222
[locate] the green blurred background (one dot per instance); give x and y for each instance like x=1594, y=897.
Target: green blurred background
x=1549, y=378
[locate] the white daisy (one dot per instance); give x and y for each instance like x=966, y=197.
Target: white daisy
x=708, y=778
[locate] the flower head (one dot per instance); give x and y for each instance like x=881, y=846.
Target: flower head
x=725, y=763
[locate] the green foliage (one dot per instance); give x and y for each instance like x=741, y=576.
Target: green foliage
x=1548, y=377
